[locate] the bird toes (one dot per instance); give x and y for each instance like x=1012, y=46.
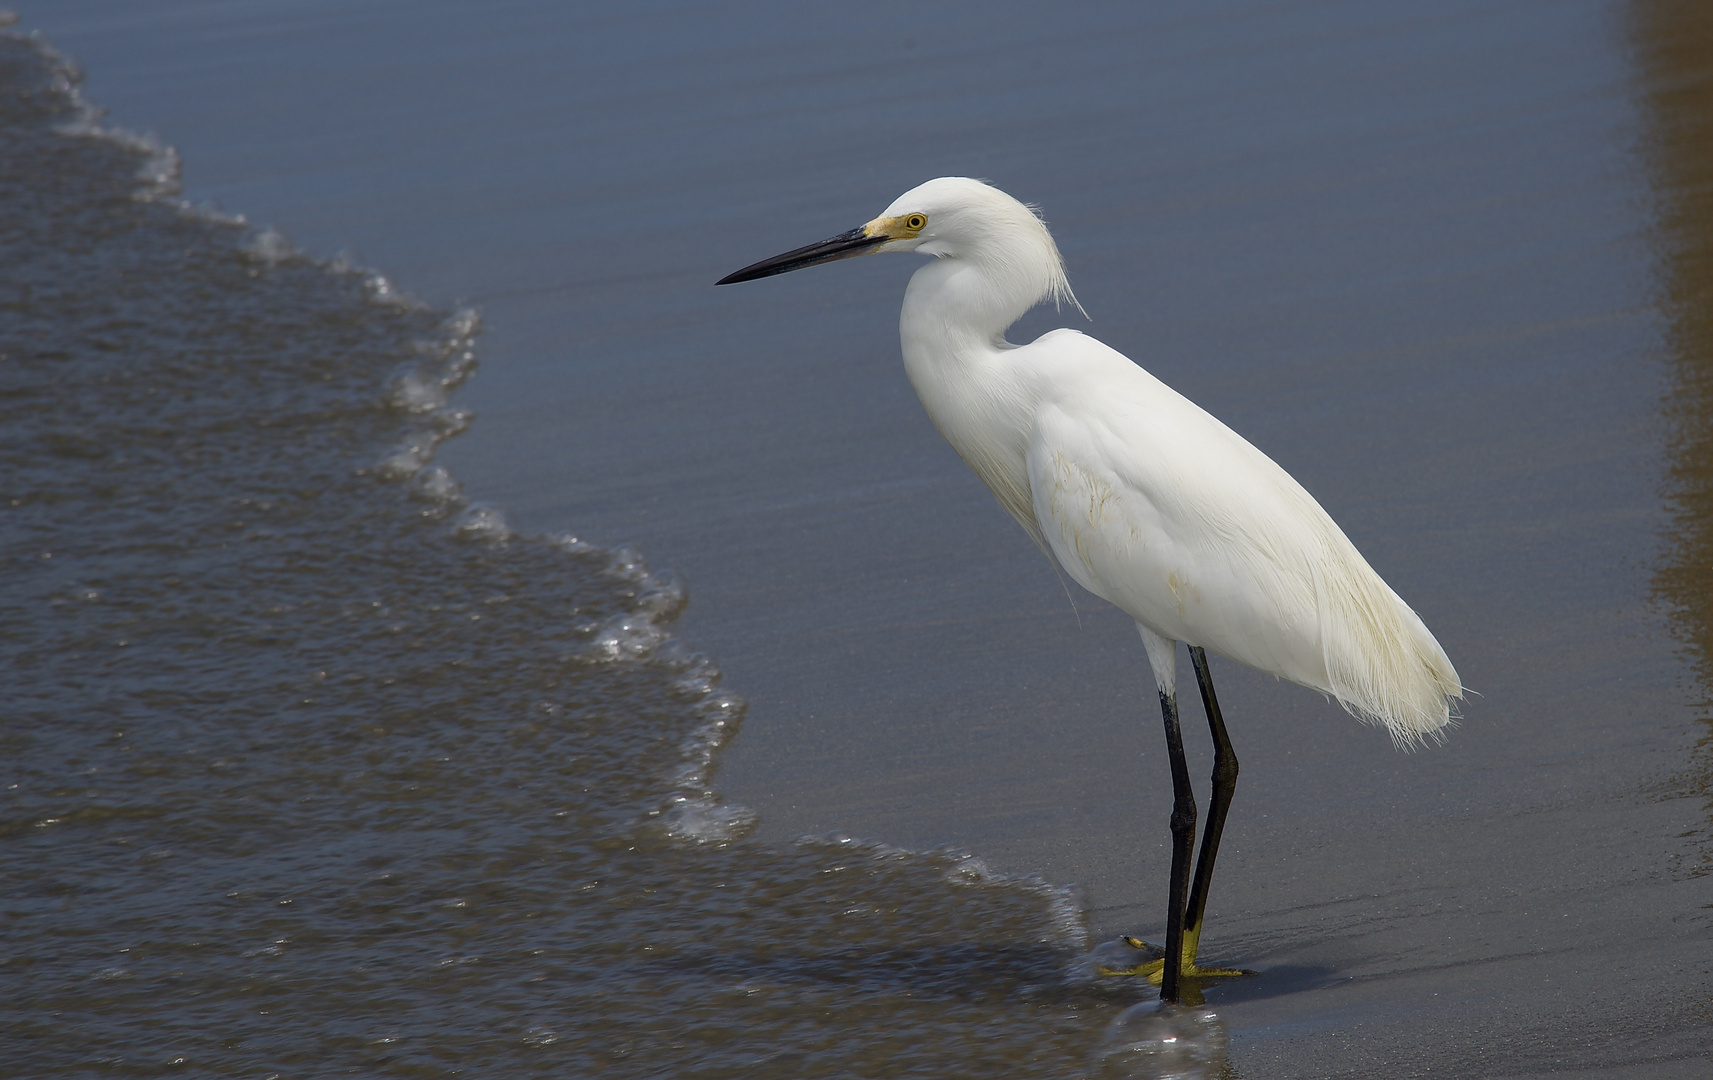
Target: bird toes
x=1128, y=956
x=1132, y=956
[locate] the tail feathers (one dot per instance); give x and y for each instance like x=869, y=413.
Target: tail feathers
x=1383, y=665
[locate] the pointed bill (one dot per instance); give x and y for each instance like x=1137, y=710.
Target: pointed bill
x=859, y=241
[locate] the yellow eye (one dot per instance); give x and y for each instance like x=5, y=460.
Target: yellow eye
x=915, y=223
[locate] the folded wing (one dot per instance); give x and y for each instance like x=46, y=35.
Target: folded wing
x=1149, y=502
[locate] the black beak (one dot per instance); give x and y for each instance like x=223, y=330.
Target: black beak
x=842, y=246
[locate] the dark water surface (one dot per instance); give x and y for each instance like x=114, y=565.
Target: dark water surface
x=1444, y=262
x=310, y=766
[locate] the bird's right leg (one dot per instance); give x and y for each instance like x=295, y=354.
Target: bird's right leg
x=1166, y=965
x=1183, y=824
x=1188, y=903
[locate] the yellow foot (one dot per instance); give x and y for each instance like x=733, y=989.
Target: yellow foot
x=1133, y=956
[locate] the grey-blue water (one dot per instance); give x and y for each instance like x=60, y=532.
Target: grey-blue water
x=328, y=748
x=311, y=766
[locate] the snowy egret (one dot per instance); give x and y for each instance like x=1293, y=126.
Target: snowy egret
x=1145, y=500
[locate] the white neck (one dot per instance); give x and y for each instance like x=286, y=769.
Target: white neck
x=956, y=357
x=951, y=330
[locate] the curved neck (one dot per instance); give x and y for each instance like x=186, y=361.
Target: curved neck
x=957, y=359
x=952, y=309
x=952, y=330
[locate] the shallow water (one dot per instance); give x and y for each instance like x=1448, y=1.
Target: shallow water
x=311, y=765
x=1413, y=254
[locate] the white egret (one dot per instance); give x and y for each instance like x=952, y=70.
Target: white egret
x=1144, y=499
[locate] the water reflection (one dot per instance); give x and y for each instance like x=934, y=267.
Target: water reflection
x=1673, y=41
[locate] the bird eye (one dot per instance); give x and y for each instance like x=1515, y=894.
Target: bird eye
x=915, y=222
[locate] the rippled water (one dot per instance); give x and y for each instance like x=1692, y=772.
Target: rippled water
x=309, y=764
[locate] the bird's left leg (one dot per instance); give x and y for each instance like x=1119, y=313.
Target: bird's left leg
x=1219, y=802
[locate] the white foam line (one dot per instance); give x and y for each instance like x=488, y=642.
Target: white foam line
x=690, y=811
x=421, y=389
x=1067, y=910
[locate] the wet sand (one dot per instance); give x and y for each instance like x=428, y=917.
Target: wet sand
x=1415, y=258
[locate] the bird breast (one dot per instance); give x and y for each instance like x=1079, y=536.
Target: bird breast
x=987, y=422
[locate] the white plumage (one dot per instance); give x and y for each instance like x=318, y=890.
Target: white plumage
x=1141, y=496
x=1145, y=499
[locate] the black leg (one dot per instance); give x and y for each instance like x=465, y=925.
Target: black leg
x=1224, y=786
x=1183, y=847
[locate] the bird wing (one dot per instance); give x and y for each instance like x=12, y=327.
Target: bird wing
x=1151, y=503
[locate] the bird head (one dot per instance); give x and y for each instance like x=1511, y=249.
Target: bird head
x=951, y=217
